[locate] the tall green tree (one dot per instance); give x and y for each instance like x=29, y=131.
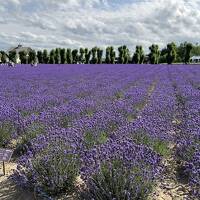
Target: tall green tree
x=112, y=55
x=69, y=56
x=142, y=56
x=87, y=56
x=121, y=55
x=57, y=56
x=171, y=52
x=52, y=57
x=163, y=56
x=4, y=58
x=32, y=57
x=108, y=56
x=154, y=54
x=138, y=56
x=40, y=56
x=75, y=56
x=82, y=55
x=99, y=55
x=188, y=49
x=23, y=55
x=0, y=57
x=63, y=56
x=94, y=55
x=180, y=50
x=45, y=56
x=126, y=54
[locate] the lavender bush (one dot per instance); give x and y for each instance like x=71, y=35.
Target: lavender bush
x=50, y=168
x=119, y=169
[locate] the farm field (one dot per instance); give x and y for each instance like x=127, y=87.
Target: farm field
x=103, y=132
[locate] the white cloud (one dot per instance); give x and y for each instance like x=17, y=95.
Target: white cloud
x=75, y=23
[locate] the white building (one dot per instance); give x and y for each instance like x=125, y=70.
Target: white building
x=195, y=59
x=20, y=48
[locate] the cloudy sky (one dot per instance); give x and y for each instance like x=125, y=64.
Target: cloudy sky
x=87, y=23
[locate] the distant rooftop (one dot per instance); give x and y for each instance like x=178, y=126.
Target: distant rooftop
x=195, y=57
x=19, y=48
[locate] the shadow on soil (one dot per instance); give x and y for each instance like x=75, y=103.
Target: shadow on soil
x=8, y=191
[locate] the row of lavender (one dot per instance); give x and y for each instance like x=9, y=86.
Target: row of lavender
x=187, y=88
x=110, y=125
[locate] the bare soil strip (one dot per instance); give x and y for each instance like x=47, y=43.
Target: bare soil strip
x=170, y=187
x=8, y=190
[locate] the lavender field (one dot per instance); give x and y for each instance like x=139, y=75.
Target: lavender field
x=102, y=132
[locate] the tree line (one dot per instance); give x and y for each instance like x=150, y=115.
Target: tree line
x=170, y=54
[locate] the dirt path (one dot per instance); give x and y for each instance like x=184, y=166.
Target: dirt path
x=171, y=187
x=8, y=190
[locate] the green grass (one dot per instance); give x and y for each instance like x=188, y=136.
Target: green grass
x=65, y=122
x=159, y=146
x=6, y=130
x=131, y=117
x=90, y=139
x=119, y=95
